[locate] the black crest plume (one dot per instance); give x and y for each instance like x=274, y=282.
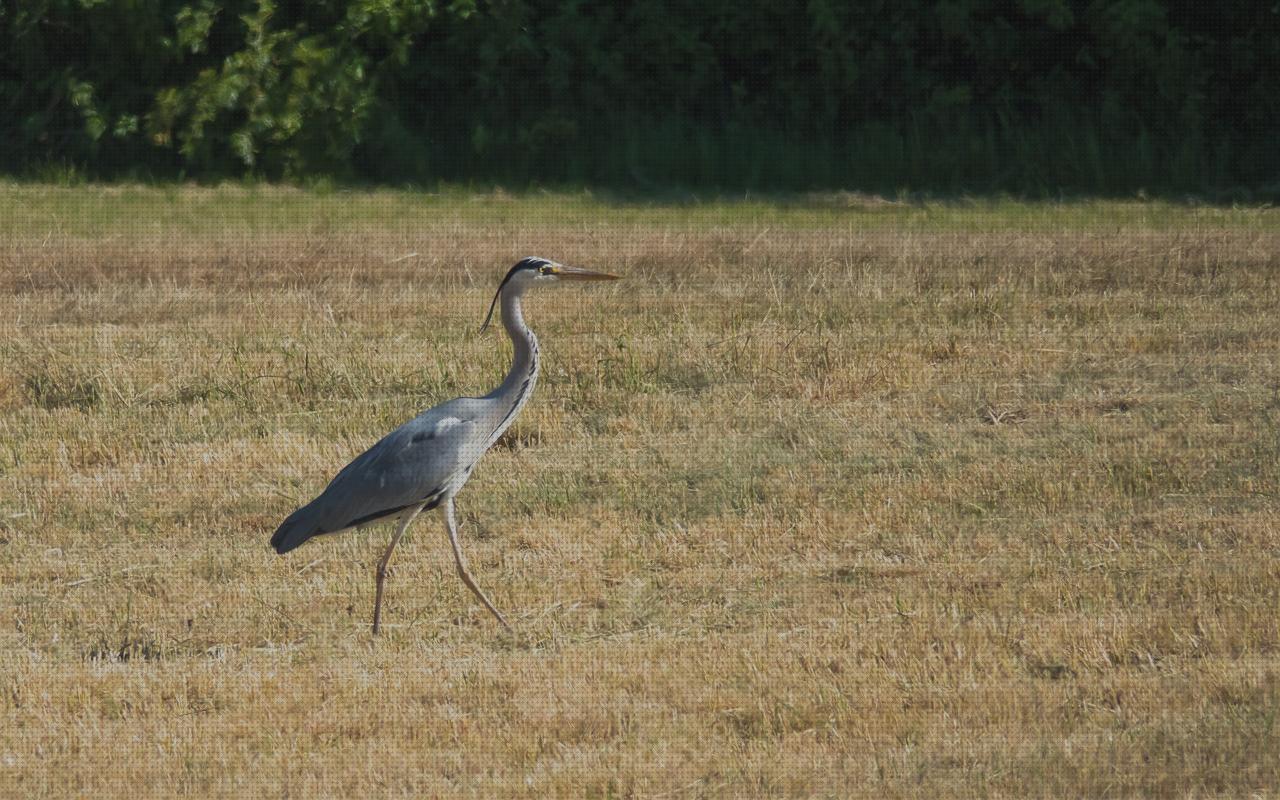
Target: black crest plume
x=531, y=262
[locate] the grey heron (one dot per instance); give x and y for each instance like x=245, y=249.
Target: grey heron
x=425, y=462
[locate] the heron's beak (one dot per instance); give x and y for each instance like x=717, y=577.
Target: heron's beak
x=576, y=274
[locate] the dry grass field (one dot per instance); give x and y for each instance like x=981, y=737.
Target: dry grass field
x=830, y=497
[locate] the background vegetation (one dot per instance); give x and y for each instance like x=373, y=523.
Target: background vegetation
x=1037, y=96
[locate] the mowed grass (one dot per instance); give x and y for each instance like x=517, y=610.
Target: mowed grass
x=831, y=497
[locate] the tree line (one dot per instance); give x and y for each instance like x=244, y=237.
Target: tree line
x=1027, y=96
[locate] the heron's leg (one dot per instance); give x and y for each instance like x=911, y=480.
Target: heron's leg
x=452, y=525
x=386, y=559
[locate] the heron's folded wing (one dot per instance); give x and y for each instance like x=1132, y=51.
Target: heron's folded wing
x=408, y=467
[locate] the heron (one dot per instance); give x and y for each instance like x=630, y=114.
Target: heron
x=423, y=464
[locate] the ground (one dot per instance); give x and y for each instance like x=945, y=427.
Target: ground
x=831, y=497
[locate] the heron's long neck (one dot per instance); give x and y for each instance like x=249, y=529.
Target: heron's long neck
x=518, y=385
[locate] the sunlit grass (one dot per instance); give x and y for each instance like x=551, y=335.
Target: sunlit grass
x=823, y=500
x=261, y=208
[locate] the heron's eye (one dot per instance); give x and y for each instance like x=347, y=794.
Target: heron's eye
x=545, y=269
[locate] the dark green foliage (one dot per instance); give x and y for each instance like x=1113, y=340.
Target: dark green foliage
x=1034, y=96
x=210, y=87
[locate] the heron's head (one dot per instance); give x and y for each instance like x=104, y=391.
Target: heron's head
x=534, y=271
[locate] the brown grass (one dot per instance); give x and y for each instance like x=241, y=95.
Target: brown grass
x=805, y=509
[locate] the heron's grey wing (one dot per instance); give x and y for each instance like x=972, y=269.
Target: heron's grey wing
x=410, y=466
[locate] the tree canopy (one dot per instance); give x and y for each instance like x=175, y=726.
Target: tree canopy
x=976, y=95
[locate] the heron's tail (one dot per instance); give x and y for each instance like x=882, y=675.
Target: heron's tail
x=296, y=530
